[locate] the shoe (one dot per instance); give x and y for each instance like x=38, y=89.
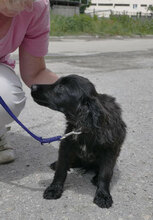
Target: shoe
x=7, y=154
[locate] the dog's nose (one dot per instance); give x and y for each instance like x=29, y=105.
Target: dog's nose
x=34, y=88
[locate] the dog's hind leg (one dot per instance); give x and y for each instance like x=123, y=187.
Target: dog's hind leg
x=94, y=180
x=103, y=197
x=75, y=162
x=53, y=165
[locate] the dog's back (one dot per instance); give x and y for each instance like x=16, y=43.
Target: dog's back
x=114, y=117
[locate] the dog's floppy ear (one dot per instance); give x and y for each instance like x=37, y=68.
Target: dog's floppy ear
x=90, y=113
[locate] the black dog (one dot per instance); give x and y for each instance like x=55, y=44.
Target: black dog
x=98, y=117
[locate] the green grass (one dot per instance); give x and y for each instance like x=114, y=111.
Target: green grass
x=115, y=25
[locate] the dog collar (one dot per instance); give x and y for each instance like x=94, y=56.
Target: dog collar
x=71, y=133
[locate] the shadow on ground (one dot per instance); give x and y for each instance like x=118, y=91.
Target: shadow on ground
x=33, y=159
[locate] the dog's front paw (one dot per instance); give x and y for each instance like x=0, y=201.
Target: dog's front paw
x=54, y=191
x=103, y=200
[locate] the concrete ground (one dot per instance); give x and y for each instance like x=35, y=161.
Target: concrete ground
x=120, y=67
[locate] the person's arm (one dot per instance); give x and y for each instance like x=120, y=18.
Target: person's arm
x=33, y=69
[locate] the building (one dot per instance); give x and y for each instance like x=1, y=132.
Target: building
x=65, y=7
x=103, y=8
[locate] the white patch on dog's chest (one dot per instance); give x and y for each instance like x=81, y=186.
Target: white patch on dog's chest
x=83, y=148
x=84, y=154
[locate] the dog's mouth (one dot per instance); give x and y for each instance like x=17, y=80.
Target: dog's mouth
x=40, y=102
x=45, y=103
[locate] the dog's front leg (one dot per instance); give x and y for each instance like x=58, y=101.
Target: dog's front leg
x=54, y=191
x=103, y=197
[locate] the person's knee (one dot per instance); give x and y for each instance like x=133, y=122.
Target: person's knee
x=13, y=95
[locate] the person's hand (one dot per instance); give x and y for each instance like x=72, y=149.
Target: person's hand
x=33, y=69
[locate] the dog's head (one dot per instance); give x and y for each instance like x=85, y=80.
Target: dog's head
x=73, y=95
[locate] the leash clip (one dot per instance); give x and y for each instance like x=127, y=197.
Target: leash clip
x=70, y=133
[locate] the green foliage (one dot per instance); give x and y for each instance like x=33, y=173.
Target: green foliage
x=150, y=8
x=85, y=24
x=84, y=5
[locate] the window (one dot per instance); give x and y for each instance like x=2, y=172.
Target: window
x=122, y=5
x=143, y=5
x=105, y=4
x=135, y=6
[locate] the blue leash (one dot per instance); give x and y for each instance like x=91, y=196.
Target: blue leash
x=40, y=139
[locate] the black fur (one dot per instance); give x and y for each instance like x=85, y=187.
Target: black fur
x=98, y=117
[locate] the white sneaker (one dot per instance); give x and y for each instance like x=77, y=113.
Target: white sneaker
x=7, y=154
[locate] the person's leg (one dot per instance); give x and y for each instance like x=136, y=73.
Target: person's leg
x=12, y=93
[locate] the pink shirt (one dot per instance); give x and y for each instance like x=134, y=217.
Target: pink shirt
x=29, y=30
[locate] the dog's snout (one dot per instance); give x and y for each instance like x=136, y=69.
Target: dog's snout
x=34, y=88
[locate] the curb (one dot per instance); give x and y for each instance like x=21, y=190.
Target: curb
x=96, y=37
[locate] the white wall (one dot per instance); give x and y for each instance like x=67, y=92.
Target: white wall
x=130, y=7
x=65, y=10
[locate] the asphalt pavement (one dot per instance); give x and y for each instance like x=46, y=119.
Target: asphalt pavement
x=120, y=67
